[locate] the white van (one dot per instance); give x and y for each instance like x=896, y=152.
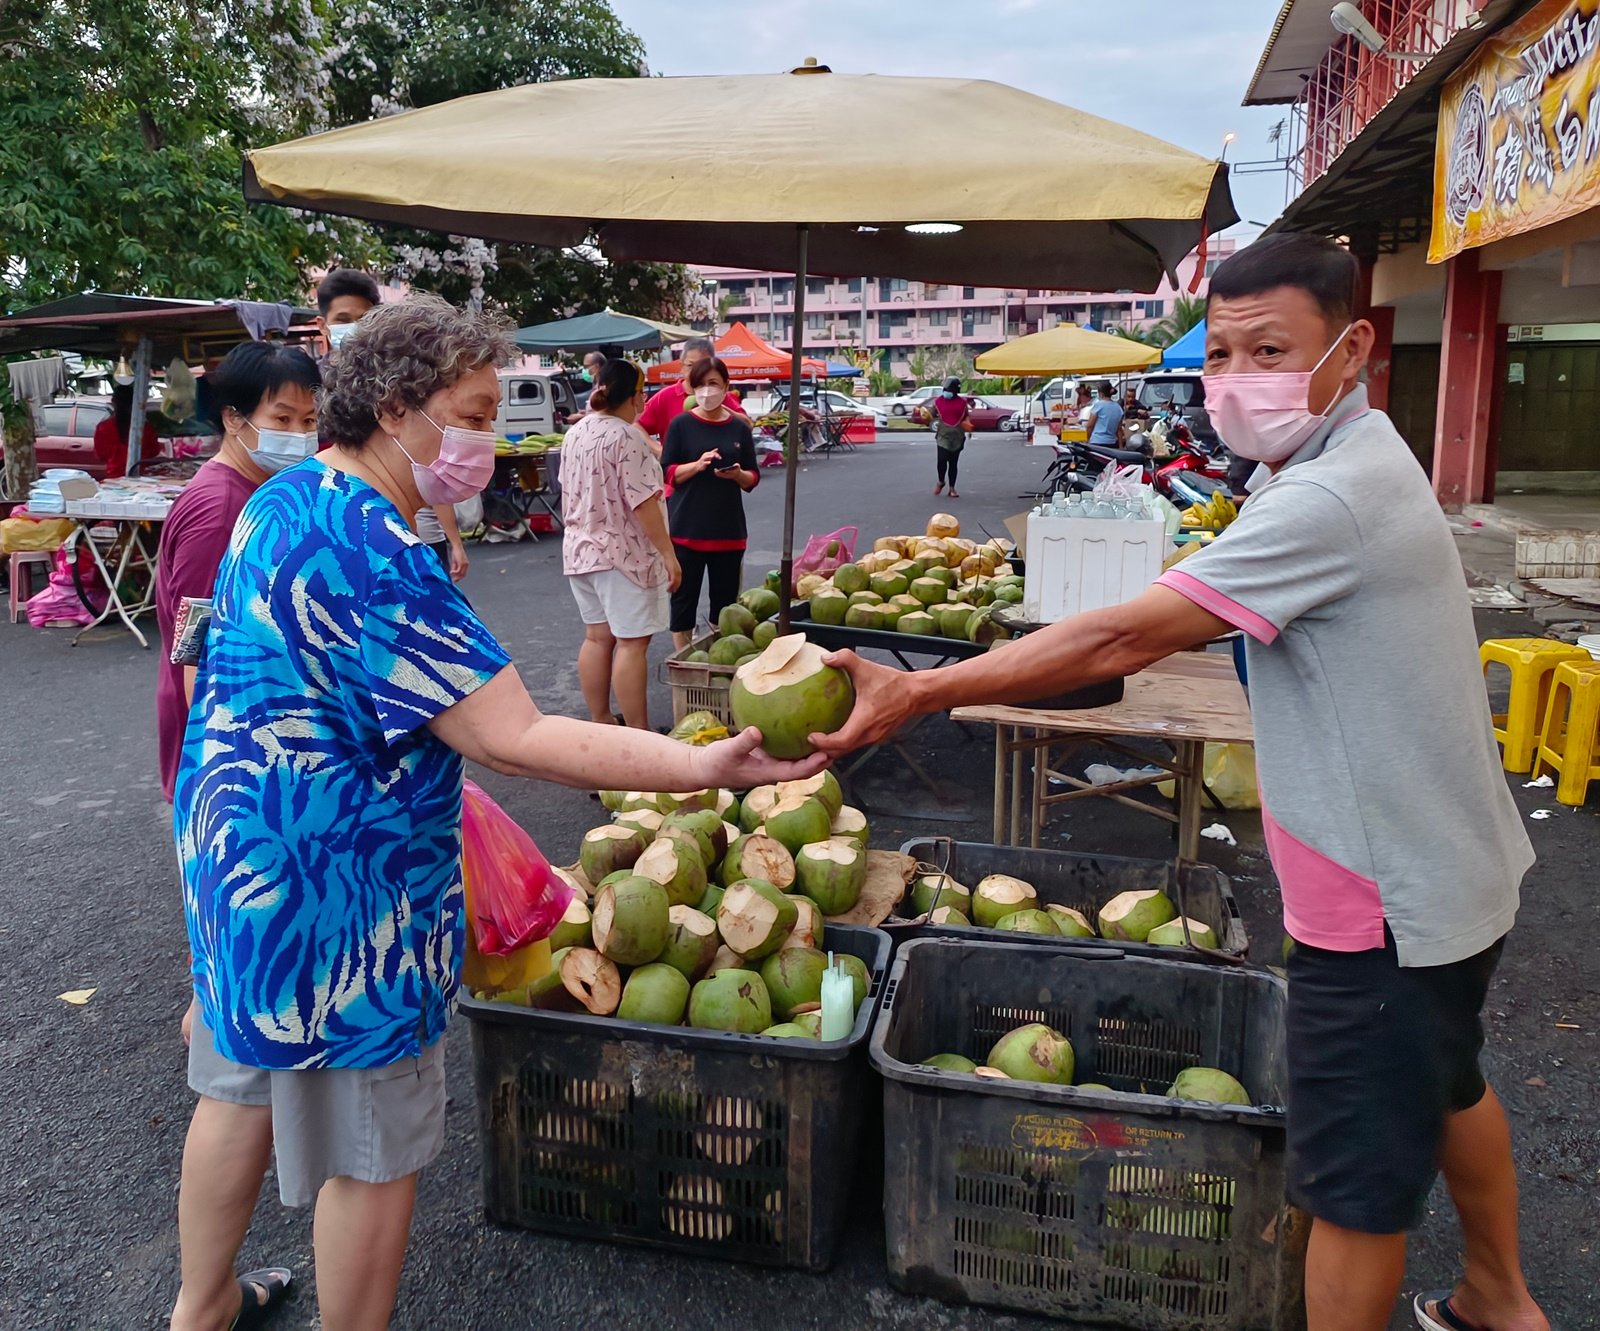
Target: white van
x=534, y=402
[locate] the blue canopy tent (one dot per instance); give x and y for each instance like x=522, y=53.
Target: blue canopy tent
x=842, y=370
x=1188, y=352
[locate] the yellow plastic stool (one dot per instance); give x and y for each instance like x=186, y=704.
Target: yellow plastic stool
x=1531, y=662
x=1571, y=742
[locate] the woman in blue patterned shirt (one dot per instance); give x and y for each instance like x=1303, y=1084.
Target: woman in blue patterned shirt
x=318, y=815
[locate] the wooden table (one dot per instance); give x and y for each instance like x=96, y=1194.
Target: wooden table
x=1186, y=701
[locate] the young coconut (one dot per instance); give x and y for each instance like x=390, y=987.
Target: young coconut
x=796, y=822
x=950, y=1063
x=852, y=823
x=755, y=918
x=1130, y=916
x=726, y=806
x=655, y=993
x=793, y=978
x=676, y=865
x=788, y=694
x=580, y=889
x=807, y=931
x=711, y=903
x=691, y=941
x=999, y=895
x=755, y=807
x=579, y=979
x=1209, y=1084
x=1034, y=1053
x=731, y=1000
x=606, y=849
x=824, y=787
x=1070, y=923
x=630, y=921
x=694, y=830
x=733, y=1128
x=573, y=931
x=1170, y=934
x=647, y=822
x=1028, y=922
x=860, y=977
x=685, y=801
x=726, y=959
x=810, y=1023
x=832, y=873
x=758, y=856
x=931, y=890
x=695, y=1209
x=950, y=917
x=787, y=1030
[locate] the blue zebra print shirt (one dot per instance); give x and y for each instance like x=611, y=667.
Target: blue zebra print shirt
x=318, y=820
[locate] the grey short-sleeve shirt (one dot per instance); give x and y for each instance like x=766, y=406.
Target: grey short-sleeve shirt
x=1383, y=797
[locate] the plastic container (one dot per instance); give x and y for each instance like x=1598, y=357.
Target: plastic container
x=717, y=1145
x=1084, y=882
x=698, y=686
x=1131, y=1209
x=1078, y=564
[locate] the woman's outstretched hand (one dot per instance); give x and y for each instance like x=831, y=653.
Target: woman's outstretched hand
x=739, y=762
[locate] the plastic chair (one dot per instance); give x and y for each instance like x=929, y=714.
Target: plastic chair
x=1571, y=741
x=23, y=563
x=1531, y=662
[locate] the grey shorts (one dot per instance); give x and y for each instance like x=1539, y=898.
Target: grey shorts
x=374, y=1125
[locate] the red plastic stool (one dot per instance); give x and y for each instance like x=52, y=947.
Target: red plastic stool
x=23, y=563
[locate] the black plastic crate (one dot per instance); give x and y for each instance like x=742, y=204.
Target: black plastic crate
x=1132, y=1209
x=1084, y=882
x=715, y=1144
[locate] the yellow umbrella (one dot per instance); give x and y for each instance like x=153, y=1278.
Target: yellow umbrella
x=944, y=180
x=1068, y=349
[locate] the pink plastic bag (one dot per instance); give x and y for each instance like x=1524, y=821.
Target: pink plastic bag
x=512, y=897
x=59, y=602
x=823, y=554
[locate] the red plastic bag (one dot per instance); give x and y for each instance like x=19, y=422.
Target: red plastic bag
x=823, y=554
x=512, y=897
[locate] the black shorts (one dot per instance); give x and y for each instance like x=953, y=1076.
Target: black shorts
x=1379, y=1056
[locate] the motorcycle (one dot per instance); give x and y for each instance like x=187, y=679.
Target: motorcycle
x=1194, y=472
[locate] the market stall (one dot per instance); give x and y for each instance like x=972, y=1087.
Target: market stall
x=596, y=332
x=1069, y=350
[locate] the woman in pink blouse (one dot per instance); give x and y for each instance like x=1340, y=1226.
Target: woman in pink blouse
x=616, y=552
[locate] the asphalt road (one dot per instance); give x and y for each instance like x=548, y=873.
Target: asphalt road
x=97, y=1110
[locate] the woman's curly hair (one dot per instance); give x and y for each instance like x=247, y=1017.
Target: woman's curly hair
x=401, y=355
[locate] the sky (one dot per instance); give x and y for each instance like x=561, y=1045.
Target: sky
x=1173, y=68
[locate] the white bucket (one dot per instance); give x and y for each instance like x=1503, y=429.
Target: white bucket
x=1590, y=642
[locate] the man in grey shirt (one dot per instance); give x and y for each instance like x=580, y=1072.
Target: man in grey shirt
x=1398, y=849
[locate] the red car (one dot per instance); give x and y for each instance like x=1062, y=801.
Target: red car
x=985, y=415
x=64, y=432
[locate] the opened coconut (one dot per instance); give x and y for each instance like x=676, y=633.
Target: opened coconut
x=1034, y=1053
x=807, y=931
x=832, y=873
x=677, y=866
x=850, y=578
x=1130, y=916
x=860, y=977
x=695, y=1209
x=691, y=941
x=919, y=623
x=573, y=931
x=755, y=918
x=658, y=993
x=1070, y=923
x=823, y=787
x=579, y=979
x=950, y=917
x=788, y=694
x=758, y=855
x=708, y=827
x=731, y=1000
x=828, y=606
x=711, y=903
x=810, y=1023
x=631, y=920
x=787, y=1030
x=931, y=890
x=1170, y=934
x=1027, y=922
x=685, y=801
x=999, y=895
x=793, y=978
x=1209, y=1084
x=852, y=823
x=755, y=807
x=647, y=822
x=796, y=821
x=950, y=1063
x=604, y=850
x=733, y=1129
x=579, y=889
x=726, y=959
x=863, y=616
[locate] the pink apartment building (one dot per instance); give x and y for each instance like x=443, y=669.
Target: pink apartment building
x=892, y=317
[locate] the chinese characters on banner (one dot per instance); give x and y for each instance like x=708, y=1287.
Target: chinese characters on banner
x=1519, y=130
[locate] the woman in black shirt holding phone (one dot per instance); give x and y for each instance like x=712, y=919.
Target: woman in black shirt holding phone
x=709, y=456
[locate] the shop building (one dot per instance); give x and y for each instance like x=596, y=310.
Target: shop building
x=1461, y=163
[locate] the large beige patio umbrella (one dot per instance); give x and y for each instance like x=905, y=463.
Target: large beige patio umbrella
x=943, y=180
x=1068, y=349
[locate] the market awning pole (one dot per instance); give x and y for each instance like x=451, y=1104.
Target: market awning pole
x=792, y=448
x=141, y=391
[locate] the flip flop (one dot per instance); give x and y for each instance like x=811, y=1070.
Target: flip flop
x=253, y=1310
x=1444, y=1317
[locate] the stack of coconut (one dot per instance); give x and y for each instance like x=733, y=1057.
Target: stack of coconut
x=938, y=584
x=709, y=910
x=1002, y=901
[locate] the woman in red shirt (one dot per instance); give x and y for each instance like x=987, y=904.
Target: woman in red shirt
x=111, y=435
x=952, y=421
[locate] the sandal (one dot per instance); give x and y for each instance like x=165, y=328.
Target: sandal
x=953, y=493
x=1444, y=1317
x=938, y=489
x=253, y=1309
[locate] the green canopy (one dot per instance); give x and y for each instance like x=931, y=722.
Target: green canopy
x=588, y=332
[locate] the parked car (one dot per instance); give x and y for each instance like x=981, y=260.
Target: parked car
x=1179, y=393
x=828, y=400
x=535, y=402
x=64, y=433
x=985, y=415
x=905, y=403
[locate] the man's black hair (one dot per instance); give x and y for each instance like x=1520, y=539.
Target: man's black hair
x=253, y=371
x=1106, y=390
x=345, y=282
x=1325, y=271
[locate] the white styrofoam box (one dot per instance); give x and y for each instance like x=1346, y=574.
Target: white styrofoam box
x=1078, y=564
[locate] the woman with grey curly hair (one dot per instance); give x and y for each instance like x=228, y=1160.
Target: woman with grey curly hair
x=318, y=816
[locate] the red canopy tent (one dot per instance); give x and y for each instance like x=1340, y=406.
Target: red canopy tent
x=747, y=357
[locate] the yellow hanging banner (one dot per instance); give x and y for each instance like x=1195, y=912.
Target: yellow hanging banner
x=1519, y=130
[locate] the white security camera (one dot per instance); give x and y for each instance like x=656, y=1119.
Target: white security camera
x=1348, y=19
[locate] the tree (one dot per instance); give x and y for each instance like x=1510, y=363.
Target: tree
x=1186, y=312
x=121, y=129
x=919, y=364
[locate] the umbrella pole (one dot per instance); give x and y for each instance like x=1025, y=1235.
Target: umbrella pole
x=792, y=447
